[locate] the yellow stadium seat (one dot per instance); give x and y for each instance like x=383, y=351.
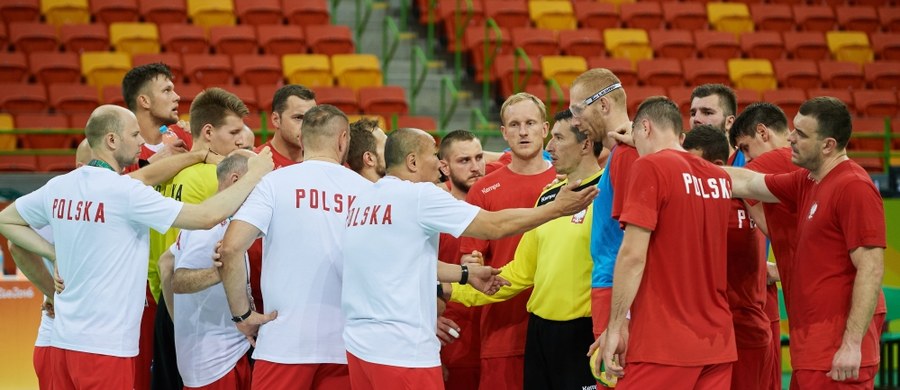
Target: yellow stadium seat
x=134, y=38
x=755, y=74
x=382, y=123
x=356, y=70
x=59, y=12
x=311, y=70
x=102, y=68
x=850, y=46
x=563, y=69
x=7, y=138
x=729, y=17
x=552, y=15
x=630, y=43
x=208, y=13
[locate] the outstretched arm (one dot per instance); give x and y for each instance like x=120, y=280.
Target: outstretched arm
x=750, y=185
x=166, y=168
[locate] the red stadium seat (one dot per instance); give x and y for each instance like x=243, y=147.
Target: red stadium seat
x=814, y=17
x=259, y=12
x=55, y=67
x=30, y=37
x=536, y=42
x=763, y=44
x=264, y=96
x=637, y=95
x=341, y=97
x=551, y=97
x=789, y=99
x=13, y=67
x=247, y=94
x=645, y=15
x=890, y=18
x=255, y=70
x=73, y=98
x=583, y=42
x=78, y=38
x=843, y=95
x=111, y=94
x=797, y=73
x=111, y=11
x=187, y=92
x=772, y=17
x=330, y=39
x=383, y=100
x=23, y=98
x=505, y=68
x=842, y=74
x=868, y=125
x=508, y=13
x=231, y=40
x=673, y=43
x=717, y=44
x=807, y=45
x=4, y=37
x=172, y=60
x=208, y=69
x=705, y=71
x=426, y=123
x=745, y=97
x=857, y=18
x=164, y=11
x=620, y=66
x=20, y=11
x=475, y=42
x=18, y=163
x=32, y=123
x=886, y=46
x=883, y=74
x=281, y=40
x=682, y=97
x=685, y=16
x=183, y=38
x=595, y=15
x=62, y=162
x=307, y=12
x=876, y=103
x=663, y=72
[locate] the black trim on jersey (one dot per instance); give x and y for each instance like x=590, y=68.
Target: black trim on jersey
x=550, y=195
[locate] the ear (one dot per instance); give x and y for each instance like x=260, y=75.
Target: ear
x=546, y=130
x=206, y=131
x=411, y=162
x=111, y=140
x=829, y=146
x=444, y=167
x=605, y=104
x=143, y=101
x=234, y=177
x=503, y=132
x=762, y=132
x=729, y=121
x=719, y=162
x=369, y=159
x=276, y=120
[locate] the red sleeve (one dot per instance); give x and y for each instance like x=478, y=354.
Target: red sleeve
x=469, y=244
x=644, y=189
x=623, y=158
x=860, y=213
x=756, y=166
x=184, y=135
x=786, y=187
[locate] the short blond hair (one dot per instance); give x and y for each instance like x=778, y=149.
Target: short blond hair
x=598, y=78
x=521, y=97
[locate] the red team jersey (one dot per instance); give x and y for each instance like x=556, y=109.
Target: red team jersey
x=464, y=352
x=622, y=160
x=747, y=280
x=504, y=324
x=279, y=159
x=680, y=315
x=146, y=153
x=835, y=216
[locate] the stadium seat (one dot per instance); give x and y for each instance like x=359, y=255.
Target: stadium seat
x=890, y=18
x=535, y=41
x=797, y=73
x=356, y=70
x=341, y=97
x=231, y=40
x=311, y=70
x=772, y=17
x=60, y=12
x=110, y=94
x=77, y=121
x=384, y=100
x=850, y=46
x=886, y=46
x=72, y=98
x=879, y=103
x=497, y=45
x=841, y=74
x=20, y=11
x=307, y=12
x=633, y=44
x=647, y=16
x=857, y=18
x=583, y=42
x=814, y=17
x=330, y=39
x=253, y=69
x=254, y=122
x=637, y=95
x=552, y=15
x=752, y=74
x=134, y=38
x=623, y=68
x=867, y=125
x=112, y=11
x=730, y=17
x=164, y=12
x=183, y=38
x=208, y=70
x=883, y=74
x=208, y=13
x=717, y=44
x=17, y=98
x=555, y=99
x=843, y=95
x=18, y=163
x=259, y=12
x=563, y=69
x=247, y=94
x=705, y=71
x=382, y=123
x=264, y=96
x=685, y=16
x=172, y=60
x=514, y=74
x=30, y=37
x=809, y=45
x=104, y=68
x=281, y=40
x=13, y=67
x=64, y=161
x=661, y=72
x=31, y=124
x=79, y=38
x=745, y=97
x=789, y=99
x=55, y=67
x=7, y=138
x=596, y=16
x=466, y=14
x=673, y=43
x=187, y=92
x=4, y=37
x=426, y=123
x=508, y=13
x=682, y=97
x=763, y=44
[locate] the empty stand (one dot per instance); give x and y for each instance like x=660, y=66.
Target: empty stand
x=563, y=69
x=256, y=70
x=22, y=98
x=73, y=98
x=110, y=94
x=32, y=136
x=18, y=163
x=868, y=126
x=311, y=70
x=841, y=74
x=164, y=11
x=356, y=70
x=857, y=18
x=717, y=44
x=705, y=71
x=623, y=68
x=383, y=100
x=60, y=12
x=583, y=42
x=64, y=161
x=307, y=12
x=876, y=102
x=814, y=17
x=556, y=100
x=104, y=68
x=259, y=12
x=685, y=16
x=246, y=93
x=883, y=74
x=850, y=46
x=536, y=41
x=673, y=43
x=231, y=40
x=788, y=99
x=55, y=67
x=797, y=73
x=647, y=16
x=20, y=11
x=281, y=40
x=806, y=45
x=637, y=95
x=633, y=44
x=112, y=11
x=843, y=95
x=661, y=72
x=595, y=15
x=208, y=13
x=13, y=67
x=78, y=38
x=756, y=74
x=172, y=60
x=265, y=95
x=187, y=92
x=730, y=17
x=772, y=17
x=552, y=15
x=29, y=37
x=763, y=44
x=890, y=18
x=886, y=46
x=330, y=39
x=208, y=69
x=426, y=123
x=515, y=73
x=508, y=13
x=183, y=38
x=341, y=97
x=745, y=97
x=134, y=38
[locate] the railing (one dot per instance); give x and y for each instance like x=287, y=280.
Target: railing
x=363, y=13
x=390, y=41
x=459, y=33
x=430, y=34
x=886, y=154
x=521, y=55
x=418, y=59
x=447, y=108
x=479, y=125
x=490, y=52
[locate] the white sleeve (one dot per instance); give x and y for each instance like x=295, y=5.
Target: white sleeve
x=257, y=210
x=148, y=208
x=31, y=208
x=440, y=212
x=197, y=248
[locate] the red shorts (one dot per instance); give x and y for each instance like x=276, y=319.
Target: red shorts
x=657, y=376
x=752, y=369
x=813, y=379
x=41, y=360
x=87, y=371
x=462, y=378
x=325, y=376
x=144, y=359
x=370, y=376
x=236, y=379
x=601, y=303
x=775, y=346
x=503, y=373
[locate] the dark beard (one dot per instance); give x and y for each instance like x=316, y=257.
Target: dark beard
x=462, y=185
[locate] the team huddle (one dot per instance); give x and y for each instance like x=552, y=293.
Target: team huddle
x=629, y=251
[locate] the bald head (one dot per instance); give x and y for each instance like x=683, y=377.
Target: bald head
x=401, y=143
x=594, y=80
x=105, y=119
x=83, y=154
x=249, y=138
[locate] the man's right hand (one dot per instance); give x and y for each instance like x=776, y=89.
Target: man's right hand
x=772, y=275
x=262, y=163
x=569, y=201
x=444, y=325
x=176, y=147
x=250, y=326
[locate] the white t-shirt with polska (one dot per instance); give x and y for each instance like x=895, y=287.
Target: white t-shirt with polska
x=390, y=270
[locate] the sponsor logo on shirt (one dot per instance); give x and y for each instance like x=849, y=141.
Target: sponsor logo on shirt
x=320, y=200
x=485, y=190
x=81, y=210
x=812, y=210
x=16, y=293
x=707, y=188
x=370, y=215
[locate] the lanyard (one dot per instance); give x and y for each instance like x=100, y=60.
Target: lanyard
x=101, y=164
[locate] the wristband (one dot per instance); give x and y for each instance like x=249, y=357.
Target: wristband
x=243, y=317
x=440, y=291
x=465, y=275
